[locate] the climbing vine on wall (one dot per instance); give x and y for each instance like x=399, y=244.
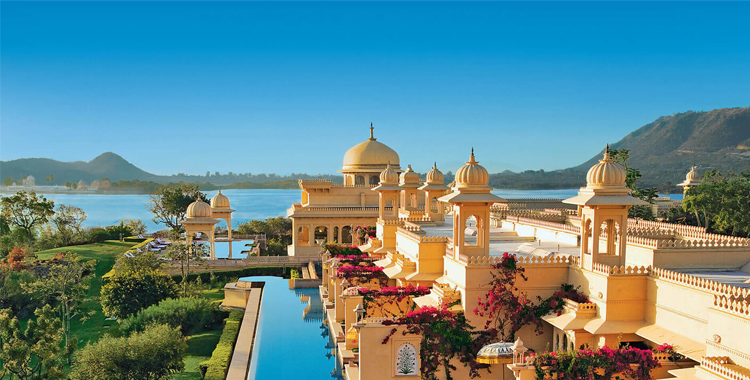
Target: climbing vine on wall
x=508, y=309
x=602, y=364
x=360, y=274
x=391, y=295
x=445, y=336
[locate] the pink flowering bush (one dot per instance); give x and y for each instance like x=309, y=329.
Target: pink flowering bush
x=601, y=364
x=391, y=295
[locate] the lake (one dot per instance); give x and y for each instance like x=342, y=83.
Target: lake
x=107, y=209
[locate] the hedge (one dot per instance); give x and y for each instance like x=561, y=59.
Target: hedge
x=216, y=368
x=190, y=314
x=231, y=275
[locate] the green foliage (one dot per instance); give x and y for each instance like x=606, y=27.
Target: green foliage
x=34, y=353
x=153, y=354
x=170, y=203
x=13, y=295
x=191, y=314
x=216, y=368
x=135, y=226
x=632, y=175
x=68, y=220
x=127, y=293
x=723, y=201
x=27, y=211
x=295, y=274
x=278, y=233
x=65, y=280
x=140, y=261
x=186, y=254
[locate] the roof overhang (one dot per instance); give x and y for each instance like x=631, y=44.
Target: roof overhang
x=460, y=196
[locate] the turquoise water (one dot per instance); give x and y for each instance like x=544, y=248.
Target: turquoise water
x=107, y=209
x=291, y=343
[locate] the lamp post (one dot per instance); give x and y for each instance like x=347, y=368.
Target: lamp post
x=519, y=353
x=360, y=311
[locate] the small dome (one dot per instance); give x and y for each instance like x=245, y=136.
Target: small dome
x=198, y=209
x=408, y=177
x=496, y=353
x=435, y=176
x=220, y=201
x=472, y=175
x=388, y=176
x=606, y=174
x=369, y=156
x=693, y=175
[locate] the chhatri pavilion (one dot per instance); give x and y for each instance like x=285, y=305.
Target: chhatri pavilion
x=647, y=283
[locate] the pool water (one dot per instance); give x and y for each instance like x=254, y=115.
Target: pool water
x=292, y=341
x=222, y=249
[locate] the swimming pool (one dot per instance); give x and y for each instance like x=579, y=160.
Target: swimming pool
x=292, y=340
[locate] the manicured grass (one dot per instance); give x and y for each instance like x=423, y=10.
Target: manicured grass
x=200, y=347
x=105, y=255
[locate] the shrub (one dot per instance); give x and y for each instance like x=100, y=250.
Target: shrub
x=190, y=314
x=216, y=368
x=127, y=293
x=154, y=354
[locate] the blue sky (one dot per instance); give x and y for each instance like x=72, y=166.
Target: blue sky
x=288, y=87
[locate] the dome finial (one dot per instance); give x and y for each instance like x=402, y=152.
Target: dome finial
x=472, y=159
x=435, y=167
x=606, y=154
x=372, y=135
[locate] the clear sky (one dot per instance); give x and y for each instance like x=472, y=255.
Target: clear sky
x=288, y=87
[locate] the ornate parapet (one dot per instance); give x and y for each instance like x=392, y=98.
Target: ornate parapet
x=583, y=310
x=706, y=285
x=722, y=366
x=733, y=305
x=486, y=261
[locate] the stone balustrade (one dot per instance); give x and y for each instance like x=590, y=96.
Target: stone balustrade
x=721, y=366
x=706, y=285
x=734, y=306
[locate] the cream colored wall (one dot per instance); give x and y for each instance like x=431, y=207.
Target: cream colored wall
x=341, y=196
x=541, y=232
x=729, y=335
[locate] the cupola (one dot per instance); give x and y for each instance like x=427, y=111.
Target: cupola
x=198, y=209
x=388, y=176
x=219, y=201
x=606, y=174
x=409, y=177
x=435, y=176
x=472, y=175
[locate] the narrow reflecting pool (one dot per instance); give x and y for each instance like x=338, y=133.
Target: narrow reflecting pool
x=292, y=341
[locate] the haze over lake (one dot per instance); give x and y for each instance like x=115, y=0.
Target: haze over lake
x=107, y=209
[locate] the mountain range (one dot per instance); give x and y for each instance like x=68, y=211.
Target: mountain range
x=663, y=150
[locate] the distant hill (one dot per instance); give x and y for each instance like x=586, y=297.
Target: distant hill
x=663, y=150
x=107, y=165
x=115, y=168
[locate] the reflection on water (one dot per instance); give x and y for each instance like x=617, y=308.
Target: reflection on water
x=292, y=340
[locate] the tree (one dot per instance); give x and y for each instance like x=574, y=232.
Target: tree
x=170, y=203
x=27, y=211
x=68, y=221
x=141, y=261
x=127, y=293
x=154, y=354
x=185, y=253
x=136, y=226
x=66, y=281
x=34, y=353
x=723, y=200
x=7, y=181
x=49, y=179
x=631, y=177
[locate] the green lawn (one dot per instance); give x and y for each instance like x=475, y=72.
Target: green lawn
x=200, y=347
x=105, y=255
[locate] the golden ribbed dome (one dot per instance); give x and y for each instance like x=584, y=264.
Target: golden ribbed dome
x=220, y=201
x=606, y=174
x=693, y=175
x=370, y=156
x=408, y=177
x=198, y=209
x=435, y=176
x=388, y=176
x=472, y=175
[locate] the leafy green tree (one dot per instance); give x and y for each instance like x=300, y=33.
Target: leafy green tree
x=34, y=353
x=49, y=179
x=155, y=354
x=27, y=211
x=13, y=294
x=135, y=226
x=170, y=203
x=7, y=181
x=66, y=282
x=185, y=254
x=68, y=221
x=127, y=293
x=631, y=178
x=723, y=201
x=141, y=261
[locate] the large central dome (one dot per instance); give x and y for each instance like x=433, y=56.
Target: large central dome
x=370, y=156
